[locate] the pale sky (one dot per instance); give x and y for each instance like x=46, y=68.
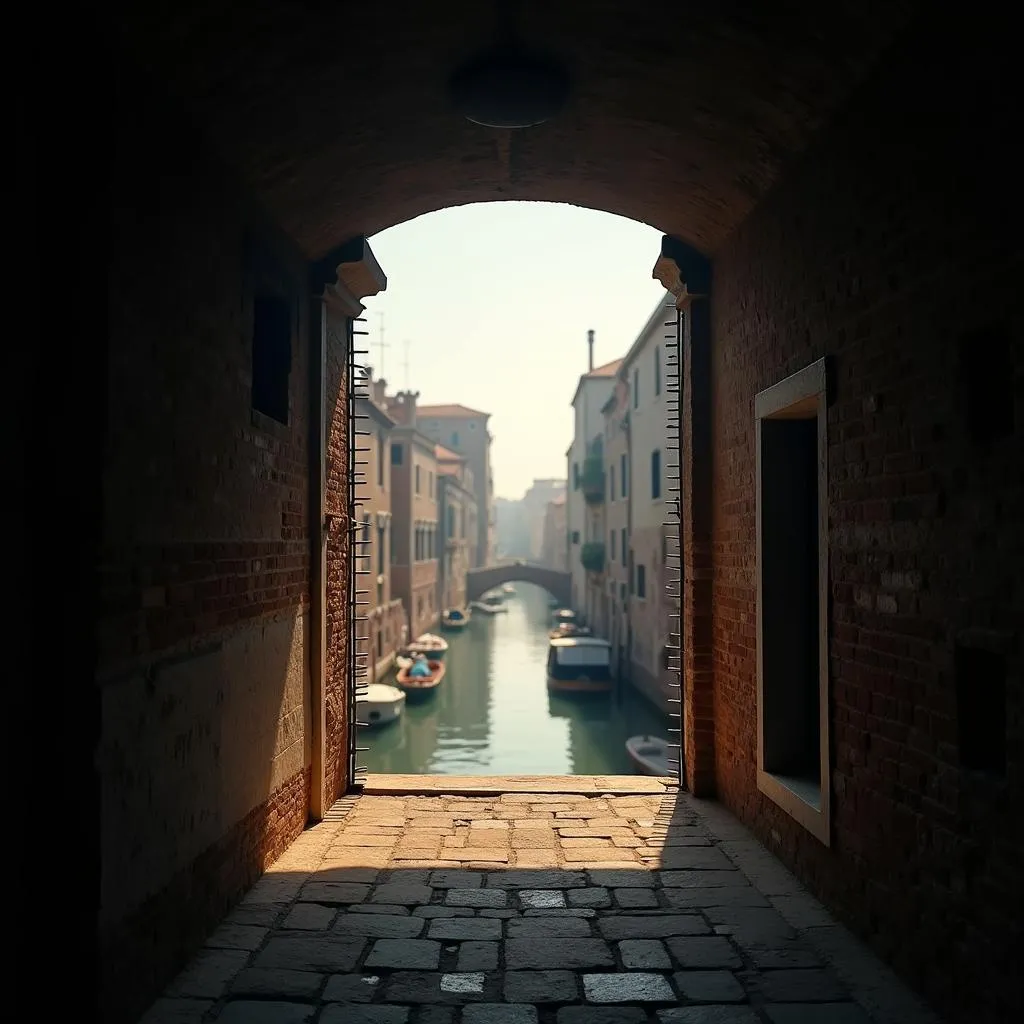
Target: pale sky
x=495, y=301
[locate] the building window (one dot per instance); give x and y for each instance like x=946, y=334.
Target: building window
x=632, y=575
x=611, y=545
x=792, y=598
x=623, y=477
x=455, y=439
x=271, y=355
x=655, y=475
x=636, y=388
x=641, y=582
x=622, y=547
x=575, y=536
x=430, y=485
x=657, y=369
x=396, y=455
x=622, y=594
x=380, y=461
x=575, y=476
x=381, y=542
x=611, y=483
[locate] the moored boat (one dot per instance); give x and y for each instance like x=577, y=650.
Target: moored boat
x=508, y=589
x=579, y=664
x=454, y=619
x=569, y=629
x=491, y=604
x=383, y=704
x=429, y=644
x=416, y=687
x=649, y=754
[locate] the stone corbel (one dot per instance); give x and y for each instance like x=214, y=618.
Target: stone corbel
x=348, y=274
x=683, y=271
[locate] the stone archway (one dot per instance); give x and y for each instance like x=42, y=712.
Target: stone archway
x=554, y=581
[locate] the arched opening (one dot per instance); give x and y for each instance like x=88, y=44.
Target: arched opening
x=825, y=162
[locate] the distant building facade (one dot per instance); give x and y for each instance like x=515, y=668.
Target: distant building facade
x=464, y=430
x=616, y=461
x=458, y=526
x=512, y=537
x=585, y=494
x=385, y=612
x=415, y=538
x=555, y=544
x=535, y=503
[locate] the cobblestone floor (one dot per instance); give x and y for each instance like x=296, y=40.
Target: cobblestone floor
x=532, y=908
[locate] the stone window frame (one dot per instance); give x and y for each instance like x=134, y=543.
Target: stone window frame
x=803, y=391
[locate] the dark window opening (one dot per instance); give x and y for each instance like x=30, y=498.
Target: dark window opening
x=981, y=709
x=622, y=534
x=655, y=475
x=623, y=477
x=611, y=483
x=611, y=544
x=986, y=370
x=641, y=581
x=380, y=460
x=632, y=575
x=417, y=479
x=636, y=389
x=396, y=455
x=575, y=536
x=271, y=356
x=790, y=637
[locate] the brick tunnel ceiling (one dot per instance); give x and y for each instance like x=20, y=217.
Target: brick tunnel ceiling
x=338, y=117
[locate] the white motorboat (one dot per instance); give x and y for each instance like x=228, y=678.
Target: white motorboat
x=430, y=644
x=492, y=603
x=508, y=589
x=383, y=704
x=649, y=755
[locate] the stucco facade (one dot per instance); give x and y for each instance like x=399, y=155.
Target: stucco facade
x=415, y=517
x=554, y=548
x=644, y=375
x=585, y=519
x=458, y=527
x=616, y=515
x=464, y=431
x=384, y=612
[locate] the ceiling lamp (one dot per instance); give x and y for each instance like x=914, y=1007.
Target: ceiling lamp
x=509, y=87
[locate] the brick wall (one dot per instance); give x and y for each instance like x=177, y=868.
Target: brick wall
x=888, y=250
x=203, y=567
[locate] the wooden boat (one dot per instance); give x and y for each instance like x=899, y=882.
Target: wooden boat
x=569, y=629
x=429, y=644
x=508, y=589
x=383, y=704
x=564, y=617
x=454, y=619
x=401, y=661
x=579, y=664
x=649, y=754
x=416, y=687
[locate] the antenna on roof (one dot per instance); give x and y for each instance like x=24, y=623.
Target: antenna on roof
x=590, y=351
x=380, y=342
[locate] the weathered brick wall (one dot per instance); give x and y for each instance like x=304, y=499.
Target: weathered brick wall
x=203, y=571
x=339, y=547
x=887, y=249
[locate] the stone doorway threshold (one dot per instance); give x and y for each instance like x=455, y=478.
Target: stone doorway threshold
x=522, y=900
x=496, y=785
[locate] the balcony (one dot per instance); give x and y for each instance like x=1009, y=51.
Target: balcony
x=592, y=556
x=592, y=480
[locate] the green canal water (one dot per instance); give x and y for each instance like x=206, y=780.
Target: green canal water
x=492, y=714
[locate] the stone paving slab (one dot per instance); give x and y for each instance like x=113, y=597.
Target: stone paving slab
x=592, y=901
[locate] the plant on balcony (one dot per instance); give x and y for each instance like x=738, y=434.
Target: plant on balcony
x=592, y=556
x=592, y=479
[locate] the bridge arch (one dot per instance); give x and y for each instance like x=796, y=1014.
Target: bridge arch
x=556, y=582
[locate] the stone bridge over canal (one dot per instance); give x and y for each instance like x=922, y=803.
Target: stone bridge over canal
x=554, y=581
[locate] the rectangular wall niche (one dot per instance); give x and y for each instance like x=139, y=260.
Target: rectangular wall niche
x=792, y=598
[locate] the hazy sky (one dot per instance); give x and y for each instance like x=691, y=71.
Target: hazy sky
x=495, y=300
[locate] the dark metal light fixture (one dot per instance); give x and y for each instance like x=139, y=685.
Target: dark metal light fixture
x=509, y=87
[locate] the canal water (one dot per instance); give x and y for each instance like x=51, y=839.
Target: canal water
x=492, y=714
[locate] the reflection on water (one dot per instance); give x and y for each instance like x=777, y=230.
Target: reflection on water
x=492, y=714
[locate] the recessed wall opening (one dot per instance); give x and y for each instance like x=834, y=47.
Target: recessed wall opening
x=271, y=355
x=981, y=709
x=792, y=704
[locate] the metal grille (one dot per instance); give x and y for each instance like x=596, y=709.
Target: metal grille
x=673, y=525
x=360, y=553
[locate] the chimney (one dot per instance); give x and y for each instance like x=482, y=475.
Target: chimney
x=590, y=351
x=380, y=388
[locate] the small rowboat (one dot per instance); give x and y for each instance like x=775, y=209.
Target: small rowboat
x=429, y=644
x=508, y=589
x=383, y=704
x=416, y=687
x=649, y=755
x=454, y=619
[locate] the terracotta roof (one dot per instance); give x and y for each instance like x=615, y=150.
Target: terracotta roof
x=449, y=412
x=608, y=370
x=446, y=454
